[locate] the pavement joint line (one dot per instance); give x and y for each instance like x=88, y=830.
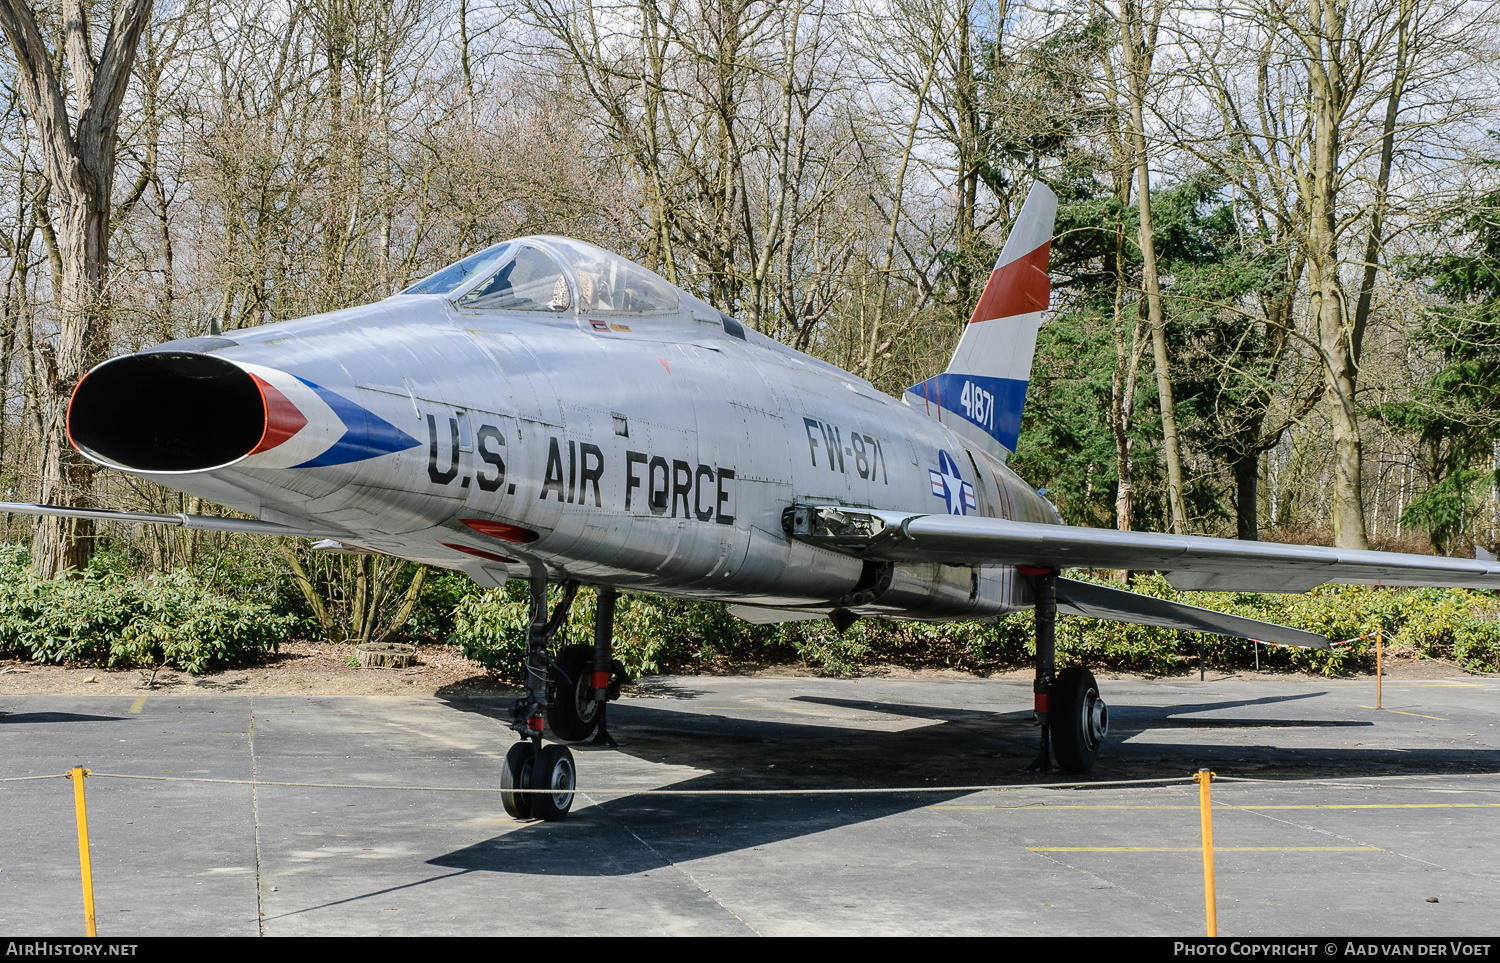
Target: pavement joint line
x=681, y=871
x=1416, y=685
x=623, y=791
x=1335, y=781
x=804, y=711
x=1400, y=713
x=1200, y=849
x=1348, y=839
x=1217, y=806
x=260, y=896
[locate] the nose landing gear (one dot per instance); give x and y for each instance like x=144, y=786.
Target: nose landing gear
x=568, y=692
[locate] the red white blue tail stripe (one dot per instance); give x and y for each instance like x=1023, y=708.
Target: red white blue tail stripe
x=983, y=392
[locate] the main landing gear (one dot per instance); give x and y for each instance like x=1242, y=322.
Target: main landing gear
x=1073, y=718
x=569, y=692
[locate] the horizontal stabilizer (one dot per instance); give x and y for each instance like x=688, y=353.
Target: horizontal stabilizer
x=209, y=523
x=1100, y=602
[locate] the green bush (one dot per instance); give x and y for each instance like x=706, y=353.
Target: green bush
x=1452, y=624
x=432, y=619
x=654, y=634
x=116, y=620
x=242, y=606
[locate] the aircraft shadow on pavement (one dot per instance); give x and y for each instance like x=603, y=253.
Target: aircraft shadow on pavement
x=1124, y=718
x=19, y=718
x=627, y=834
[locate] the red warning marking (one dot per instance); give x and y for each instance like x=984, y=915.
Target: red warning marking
x=283, y=419
x=510, y=533
x=476, y=552
x=1020, y=287
x=665, y=365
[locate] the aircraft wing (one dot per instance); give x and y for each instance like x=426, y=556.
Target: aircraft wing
x=211, y=523
x=1190, y=562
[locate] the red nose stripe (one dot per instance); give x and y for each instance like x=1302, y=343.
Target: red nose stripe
x=283, y=420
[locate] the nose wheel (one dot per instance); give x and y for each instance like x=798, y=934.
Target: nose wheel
x=549, y=768
x=516, y=774
x=553, y=772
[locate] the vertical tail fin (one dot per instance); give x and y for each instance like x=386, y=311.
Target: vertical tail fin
x=983, y=391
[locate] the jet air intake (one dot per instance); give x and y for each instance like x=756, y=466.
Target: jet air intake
x=169, y=411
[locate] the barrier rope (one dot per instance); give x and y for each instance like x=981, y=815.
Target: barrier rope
x=850, y=791
x=1389, y=636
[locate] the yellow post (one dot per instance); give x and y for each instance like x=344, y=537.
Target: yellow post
x=1379, y=662
x=1205, y=809
x=77, y=776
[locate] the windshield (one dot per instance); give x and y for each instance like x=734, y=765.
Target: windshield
x=525, y=275
x=454, y=275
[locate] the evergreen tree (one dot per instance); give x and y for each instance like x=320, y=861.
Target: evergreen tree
x=1455, y=416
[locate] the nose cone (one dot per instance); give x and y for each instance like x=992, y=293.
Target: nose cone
x=183, y=411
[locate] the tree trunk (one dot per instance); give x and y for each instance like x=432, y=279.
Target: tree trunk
x=80, y=166
x=1138, y=44
x=1336, y=343
x=1246, y=493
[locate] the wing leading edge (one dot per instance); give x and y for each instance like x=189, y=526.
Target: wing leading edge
x=210, y=523
x=1190, y=562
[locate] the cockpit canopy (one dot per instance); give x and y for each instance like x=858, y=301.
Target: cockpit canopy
x=554, y=275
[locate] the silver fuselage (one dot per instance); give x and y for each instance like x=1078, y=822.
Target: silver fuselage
x=650, y=453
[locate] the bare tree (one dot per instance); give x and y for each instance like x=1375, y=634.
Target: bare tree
x=80, y=164
x=1319, y=107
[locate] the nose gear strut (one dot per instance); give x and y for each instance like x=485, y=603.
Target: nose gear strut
x=569, y=693
x=529, y=764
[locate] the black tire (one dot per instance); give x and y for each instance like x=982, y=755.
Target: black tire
x=555, y=771
x=1079, y=719
x=572, y=713
x=516, y=774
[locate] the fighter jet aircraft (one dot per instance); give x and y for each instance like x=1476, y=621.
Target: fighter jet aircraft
x=546, y=410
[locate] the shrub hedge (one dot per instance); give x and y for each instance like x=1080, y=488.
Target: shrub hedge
x=113, y=618
x=654, y=634
x=110, y=619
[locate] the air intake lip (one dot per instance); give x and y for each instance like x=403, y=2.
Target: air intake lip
x=168, y=412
